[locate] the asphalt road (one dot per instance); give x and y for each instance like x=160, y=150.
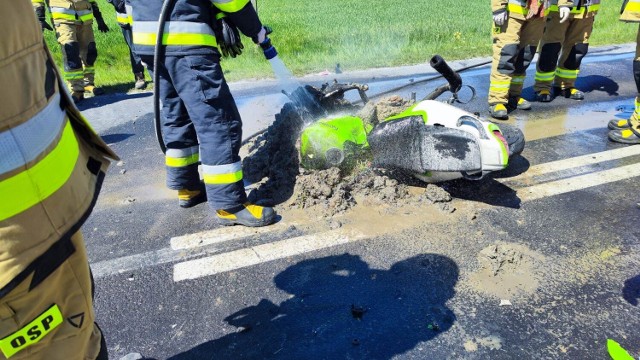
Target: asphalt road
x=414, y=289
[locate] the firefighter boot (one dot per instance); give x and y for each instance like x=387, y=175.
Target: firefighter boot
x=247, y=215
x=191, y=198
x=618, y=124
x=543, y=96
x=498, y=111
x=93, y=89
x=629, y=135
x=141, y=83
x=572, y=93
x=77, y=96
x=519, y=103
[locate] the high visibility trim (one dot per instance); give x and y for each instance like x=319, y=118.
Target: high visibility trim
x=33, y=332
x=175, y=33
x=576, y=10
x=73, y=75
x=566, y=73
x=545, y=76
x=89, y=69
x=632, y=6
x=230, y=6
x=123, y=19
x=517, y=80
x=35, y=184
x=182, y=157
x=517, y=8
x=25, y=142
x=59, y=13
x=37, y=1
x=222, y=174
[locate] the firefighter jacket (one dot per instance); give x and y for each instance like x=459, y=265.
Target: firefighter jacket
x=579, y=8
x=68, y=11
x=124, y=19
x=189, y=27
x=518, y=9
x=51, y=162
x=630, y=11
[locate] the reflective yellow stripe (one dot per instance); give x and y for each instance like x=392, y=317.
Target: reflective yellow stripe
x=175, y=39
x=575, y=10
x=180, y=162
x=566, y=73
x=632, y=6
x=222, y=179
x=230, y=6
x=123, y=19
x=86, y=18
x=26, y=189
x=514, y=8
x=545, y=76
x=32, y=333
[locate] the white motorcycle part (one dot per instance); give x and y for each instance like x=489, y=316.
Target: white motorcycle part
x=439, y=142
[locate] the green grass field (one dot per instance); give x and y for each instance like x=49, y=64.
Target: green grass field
x=314, y=36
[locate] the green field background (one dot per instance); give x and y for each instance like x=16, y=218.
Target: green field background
x=313, y=36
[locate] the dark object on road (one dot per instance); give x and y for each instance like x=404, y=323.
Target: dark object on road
x=358, y=311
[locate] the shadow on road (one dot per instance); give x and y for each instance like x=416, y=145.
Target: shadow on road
x=593, y=83
x=108, y=99
x=631, y=290
x=340, y=308
x=115, y=138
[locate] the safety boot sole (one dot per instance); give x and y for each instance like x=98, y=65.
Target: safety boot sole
x=624, y=136
x=245, y=218
x=618, y=124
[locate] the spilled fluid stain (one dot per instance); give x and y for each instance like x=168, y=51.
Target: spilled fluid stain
x=566, y=120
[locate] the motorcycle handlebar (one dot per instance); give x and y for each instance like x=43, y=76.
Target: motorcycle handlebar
x=441, y=66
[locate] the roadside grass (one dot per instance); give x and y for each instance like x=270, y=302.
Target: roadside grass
x=313, y=36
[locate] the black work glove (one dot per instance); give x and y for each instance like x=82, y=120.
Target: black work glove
x=228, y=38
x=102, y=26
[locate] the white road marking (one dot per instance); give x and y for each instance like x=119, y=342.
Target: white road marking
x=578, y=182
x=575, y=162
x=259, y=254
x=221, y=235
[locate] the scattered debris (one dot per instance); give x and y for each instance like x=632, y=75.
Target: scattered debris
x=355, y=342
x=120, y=163
x=504, y=302
x=502, y=258
x=433, y=326
x=129, y=200
x=123, y=171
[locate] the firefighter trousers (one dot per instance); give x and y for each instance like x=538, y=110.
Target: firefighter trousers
x=514, y=46
x=562, y=49
x=200, y=122
x=136, y=63
x=54, y=320
x=79, y=54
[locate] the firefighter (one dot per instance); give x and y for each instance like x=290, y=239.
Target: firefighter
x=200, y=118
x=628, y=131
x=51, y=168
x=564, y=44
x=72, y=20
x=124, y=21
x=518, y=27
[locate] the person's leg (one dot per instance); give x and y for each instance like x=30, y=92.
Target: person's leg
x=59, y=306
x=136, y=62
x=506, y=40
x=529, y=38
x=88, y=54
x=550, y=47
x=574, y=49
x=180, y=139
x=70, y=48
x=213, y=111
x=628, y=131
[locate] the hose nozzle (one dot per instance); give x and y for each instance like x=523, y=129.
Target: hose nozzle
x=269, y=51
